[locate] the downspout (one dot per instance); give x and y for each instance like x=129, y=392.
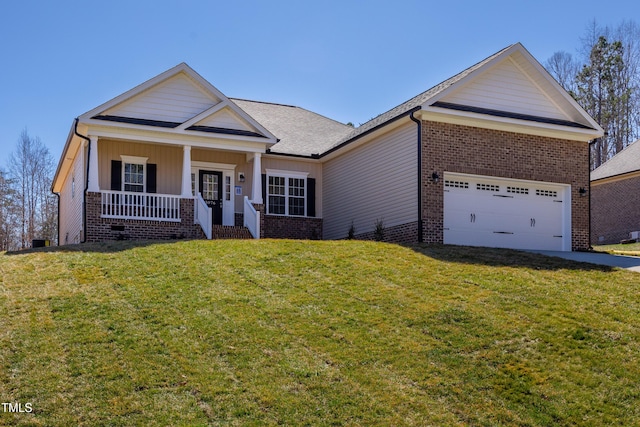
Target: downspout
x=86, y=185
x=58, y=195
x=419, y=155
x=590, y=248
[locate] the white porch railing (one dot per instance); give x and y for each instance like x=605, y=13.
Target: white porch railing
x=251, y=218
x=147, y=206
x=203, y=215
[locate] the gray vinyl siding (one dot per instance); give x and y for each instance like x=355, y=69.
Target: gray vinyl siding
x=376, y=181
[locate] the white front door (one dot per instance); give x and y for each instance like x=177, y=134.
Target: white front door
x=505, y=213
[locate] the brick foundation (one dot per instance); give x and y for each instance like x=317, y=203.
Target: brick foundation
x=102, y=229
x=404, y=233
x=289, y=227
x=463, y=149
x=614, y=210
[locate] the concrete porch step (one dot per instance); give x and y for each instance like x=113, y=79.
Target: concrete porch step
x=230, y=232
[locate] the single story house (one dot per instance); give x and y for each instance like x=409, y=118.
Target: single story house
x=497, y=155
x=615, y=198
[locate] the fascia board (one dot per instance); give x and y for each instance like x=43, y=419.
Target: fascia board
x=65, y=161
x=465, y=118
x=615, y=178
x=243, y=144
x=176, y=132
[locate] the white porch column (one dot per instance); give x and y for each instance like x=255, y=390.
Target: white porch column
x=186, y=172
x=94, y=184
x=256, y=187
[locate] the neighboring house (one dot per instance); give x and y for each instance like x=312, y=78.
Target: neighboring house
x=615, y=198
x=495, y=156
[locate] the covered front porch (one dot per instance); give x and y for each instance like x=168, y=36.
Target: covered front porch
x=146, y=190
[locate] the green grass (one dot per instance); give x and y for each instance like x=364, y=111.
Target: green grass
x=315, y=333
x=632, y=249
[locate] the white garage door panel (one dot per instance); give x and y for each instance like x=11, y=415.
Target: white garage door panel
x=494, y=212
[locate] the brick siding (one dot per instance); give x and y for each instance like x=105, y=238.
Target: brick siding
x=103, y=229
x=464, y=149
x=615, y=211
x=291, y=227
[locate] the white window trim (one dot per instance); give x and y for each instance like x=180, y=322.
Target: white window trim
x=136, y=161
x=286, y=175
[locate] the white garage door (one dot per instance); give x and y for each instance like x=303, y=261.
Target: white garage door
x=503, y=213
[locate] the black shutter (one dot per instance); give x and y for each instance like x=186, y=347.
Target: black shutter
x=116, y=175
x=151, y=178
x=264, y=188
x=311, y=197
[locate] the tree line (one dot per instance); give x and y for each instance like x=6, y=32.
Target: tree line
x=604, y=79
x=28, y=209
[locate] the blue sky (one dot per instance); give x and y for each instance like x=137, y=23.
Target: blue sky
x=348, y=60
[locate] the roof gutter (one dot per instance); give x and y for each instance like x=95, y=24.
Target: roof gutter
x=299, y=156
x=86, y=184
x=419, y=162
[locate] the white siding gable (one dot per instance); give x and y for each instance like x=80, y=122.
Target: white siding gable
x=226, y=119
x=176, y=99
x=506, y=87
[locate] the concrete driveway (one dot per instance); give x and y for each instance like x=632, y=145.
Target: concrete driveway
x=627, y=262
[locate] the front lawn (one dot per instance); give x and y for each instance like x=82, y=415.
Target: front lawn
x=275, y=332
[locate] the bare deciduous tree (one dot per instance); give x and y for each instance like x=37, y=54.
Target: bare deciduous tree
x=606, y=83
x=31, y=171
x=8, y=214
x=564, y=68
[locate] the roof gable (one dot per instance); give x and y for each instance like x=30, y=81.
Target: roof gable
x=514, y=86
x=178, y=100
x=505, y=87
x=225, y=118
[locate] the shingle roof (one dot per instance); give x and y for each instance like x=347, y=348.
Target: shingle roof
x=628, y=160
x=299, y=131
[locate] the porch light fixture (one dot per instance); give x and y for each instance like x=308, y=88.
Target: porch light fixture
x=240, y=176
x=582, y=191
x=435, y=177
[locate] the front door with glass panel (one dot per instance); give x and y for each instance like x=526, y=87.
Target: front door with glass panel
x=211, y=190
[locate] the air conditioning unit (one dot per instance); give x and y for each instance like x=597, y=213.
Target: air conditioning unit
x=634, y=235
